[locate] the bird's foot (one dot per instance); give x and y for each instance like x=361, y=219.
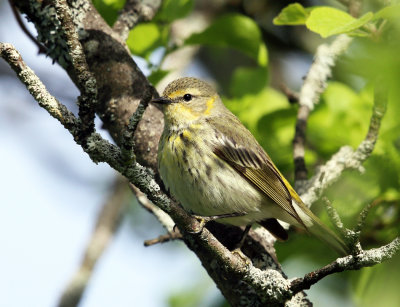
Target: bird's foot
x=203, y=220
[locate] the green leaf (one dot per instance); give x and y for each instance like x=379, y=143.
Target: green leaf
x=248, y=81
x=157, y=75
x=338, y=104
x=234, y=31
x=388, y=12
x=108, y=9
x=293, y=14
x=146, y=37
x=251, y=107
x=328, y=21
x=174, y=9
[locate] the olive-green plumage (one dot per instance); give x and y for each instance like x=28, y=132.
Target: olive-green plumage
x=213, y=165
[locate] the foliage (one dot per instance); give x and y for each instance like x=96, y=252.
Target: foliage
x=341, y=117
x=328, y=21
x=109, y=9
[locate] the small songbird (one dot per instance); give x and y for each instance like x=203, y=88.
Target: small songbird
x=214, y=166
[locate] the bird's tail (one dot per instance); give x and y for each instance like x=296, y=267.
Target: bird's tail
x=315, y=227
x=329, y=237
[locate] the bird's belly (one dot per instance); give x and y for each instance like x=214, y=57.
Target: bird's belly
x=206, y=185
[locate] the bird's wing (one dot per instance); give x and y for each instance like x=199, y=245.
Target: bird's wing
x=241, y=151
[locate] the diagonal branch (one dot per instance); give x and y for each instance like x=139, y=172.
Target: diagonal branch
x=314, y=84
x=107, y=223
x=346, y=157
x=352, y=262
x=85, y=80
x=134, y=12
x=37, y=89
x=128, y=142
x=226, y=265
x=42, y=48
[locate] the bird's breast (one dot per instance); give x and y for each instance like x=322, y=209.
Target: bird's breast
x=202, y=182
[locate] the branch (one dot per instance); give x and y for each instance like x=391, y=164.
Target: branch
x=352, y=262
x=120, y=82
x=163, y=239
x=313, y=86
x=134, y=12
x=85, y=80
x=220, y=263
x=128, y=143
x=42, y=48
x=354, y=6
x=164, y=219
x=346, y=157
x=107, y=223
x=121, y=86
x=37, y=89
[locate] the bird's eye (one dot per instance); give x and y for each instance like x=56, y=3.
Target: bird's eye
x=187, y=97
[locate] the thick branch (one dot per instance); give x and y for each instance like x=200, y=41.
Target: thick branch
x=121, y=87
x=120, y=82
x=220, y=263
x=85, y=80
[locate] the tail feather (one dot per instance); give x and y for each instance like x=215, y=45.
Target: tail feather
x=315, y=227
x=329, y=237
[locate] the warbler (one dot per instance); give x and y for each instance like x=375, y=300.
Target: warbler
x=214, y=166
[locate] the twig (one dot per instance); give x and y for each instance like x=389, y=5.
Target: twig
x=163, y=238
x=292, y=96
x=99, y=149
x=86, y=82
x=42, y=48
x=314, y=84
x=107, y=223
x=300, y=169
x=354, y=6
x=346, y=157
x=231, y=273
x=273, y=286
x=37, y=89
x=363, y=216
x=134, y=12
x=162, y=217
x=351, y=262
x=351, y=236
x=128, y=145
x=334, y=216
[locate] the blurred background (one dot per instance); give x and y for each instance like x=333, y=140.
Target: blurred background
x=52, y=193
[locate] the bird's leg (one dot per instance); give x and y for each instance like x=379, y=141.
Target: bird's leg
x=238, y=248
x=203, y=220
x=243, y=237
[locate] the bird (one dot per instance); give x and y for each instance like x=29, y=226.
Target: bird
x=212, y=164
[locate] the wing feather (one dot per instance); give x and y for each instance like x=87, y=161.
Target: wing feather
x=244, y=154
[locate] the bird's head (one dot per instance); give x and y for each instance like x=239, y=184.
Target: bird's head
x=187, y=100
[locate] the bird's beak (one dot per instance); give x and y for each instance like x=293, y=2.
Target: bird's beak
x=162, y=100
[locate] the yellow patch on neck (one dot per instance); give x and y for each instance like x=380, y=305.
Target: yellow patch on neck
x=210, y=104
x=180, y=112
